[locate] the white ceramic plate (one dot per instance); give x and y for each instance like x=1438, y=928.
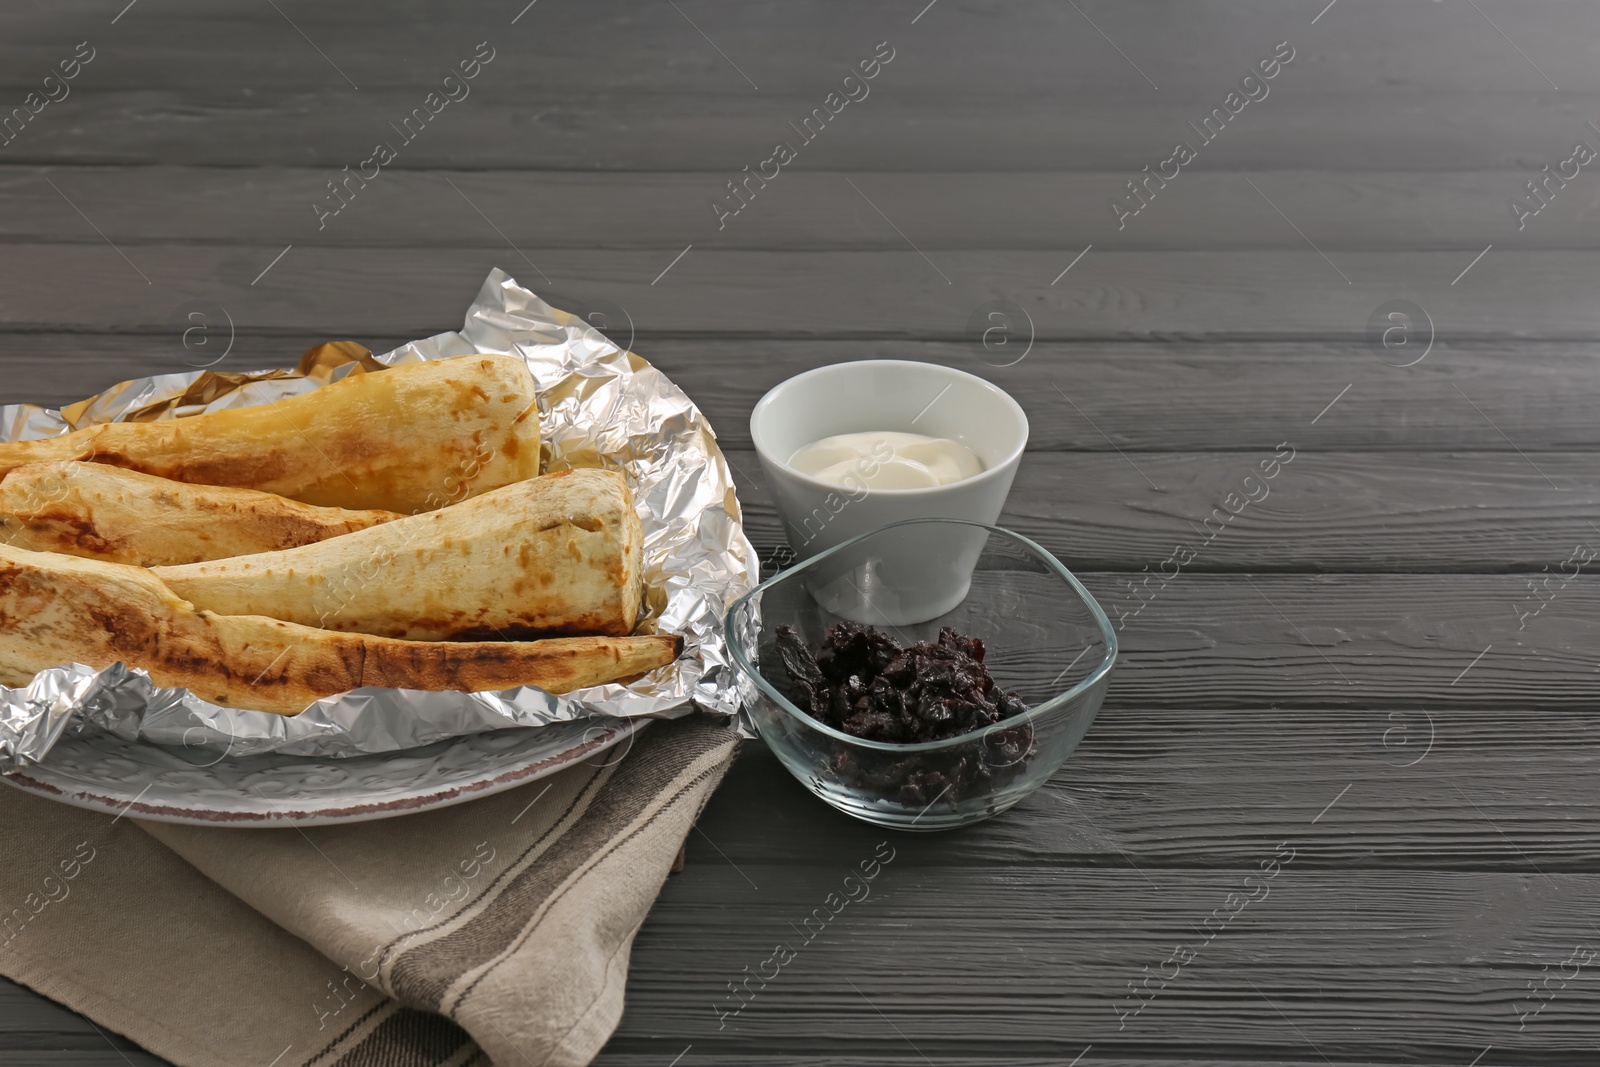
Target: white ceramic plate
x=105, y=773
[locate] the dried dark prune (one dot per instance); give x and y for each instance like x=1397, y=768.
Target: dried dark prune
x=862, y=682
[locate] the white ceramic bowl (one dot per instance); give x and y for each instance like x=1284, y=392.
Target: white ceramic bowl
x=931, y=571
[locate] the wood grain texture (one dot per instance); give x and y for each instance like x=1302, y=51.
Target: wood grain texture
x=1023, y=48
x=1199, y=395
x=36, y=1030
x=1391, y=788
x=324, y=123
x=1347, y=641
x=615, y=47
x=62, y=1053
x=913, y=1058
x=1135, y=396
x=1325, y=511
x=1338, y=962
x=1117, y=295
x=1352, y=640
x=713, y=1058
x=803, y=210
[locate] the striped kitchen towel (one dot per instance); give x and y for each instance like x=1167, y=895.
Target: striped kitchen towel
x=496, y=931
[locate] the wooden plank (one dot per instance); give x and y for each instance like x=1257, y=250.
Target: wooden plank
x=1160, y=791
x=1198, y=396
x=1324, y=511
x=1046, y=48
x=1209, y=210
x=913, y=1059
x=1136, y=396
x=1346, y=641
x=61, y=1054
x=1413, y=965
x=326, y=124
x=1356, y=640
x=36, y=1030
x=1134, y=295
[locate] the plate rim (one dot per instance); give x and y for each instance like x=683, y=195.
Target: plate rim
x=497, y=779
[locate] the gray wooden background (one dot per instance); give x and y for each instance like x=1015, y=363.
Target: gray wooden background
x=1353, y=670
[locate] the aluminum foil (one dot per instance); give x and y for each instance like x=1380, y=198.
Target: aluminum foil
x=599, y=406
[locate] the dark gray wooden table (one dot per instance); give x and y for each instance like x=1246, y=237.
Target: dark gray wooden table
x=1386, y=667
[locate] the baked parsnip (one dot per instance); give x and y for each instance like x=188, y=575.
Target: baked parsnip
x=410, y=438
x=121, y=516
x=550, y=556
x=57, y=609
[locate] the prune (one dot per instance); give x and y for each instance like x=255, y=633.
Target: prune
x=860, y=681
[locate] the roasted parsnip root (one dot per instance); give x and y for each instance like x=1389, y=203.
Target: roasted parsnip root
x=550, y=556
x=57, y=609
x=410, y=438
x=122, y=516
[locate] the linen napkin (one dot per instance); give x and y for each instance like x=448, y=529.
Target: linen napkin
x=496, y=931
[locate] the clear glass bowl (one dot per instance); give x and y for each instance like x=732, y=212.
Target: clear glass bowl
x=1045, y=638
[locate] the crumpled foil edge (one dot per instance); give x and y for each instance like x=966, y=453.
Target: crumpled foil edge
x=599, y=405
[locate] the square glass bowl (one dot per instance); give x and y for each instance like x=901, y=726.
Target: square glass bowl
x=1044, y=636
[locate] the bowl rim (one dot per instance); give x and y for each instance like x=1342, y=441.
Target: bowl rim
x=1101, y=670
x=989, y=473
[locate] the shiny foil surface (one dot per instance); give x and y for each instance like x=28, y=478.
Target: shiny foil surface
x=599, y=406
